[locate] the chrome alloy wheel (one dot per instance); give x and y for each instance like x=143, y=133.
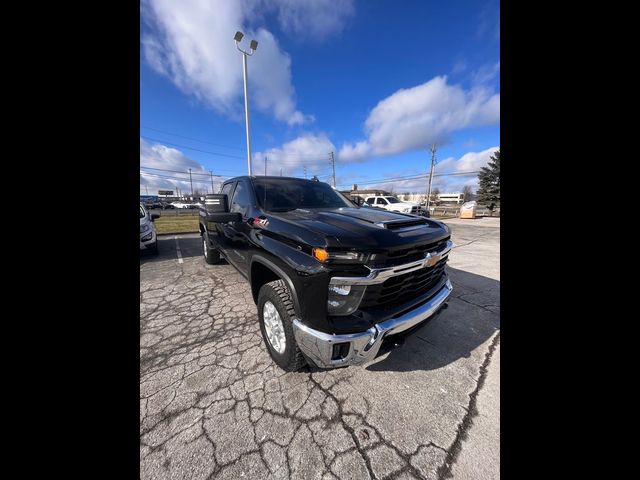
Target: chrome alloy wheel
x=204, y=242
x=273, y=327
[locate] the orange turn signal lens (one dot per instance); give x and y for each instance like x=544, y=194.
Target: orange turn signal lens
x=320, y=254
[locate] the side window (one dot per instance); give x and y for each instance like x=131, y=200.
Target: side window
x=381, y=201
x=240, y=200
x=226, y=190
x=371, y=200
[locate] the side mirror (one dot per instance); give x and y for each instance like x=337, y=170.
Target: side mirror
x=154, y=216
x=216, y=203
x=216, y=209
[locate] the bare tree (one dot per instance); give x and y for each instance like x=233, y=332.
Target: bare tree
x=468, y=193
x=435, y=196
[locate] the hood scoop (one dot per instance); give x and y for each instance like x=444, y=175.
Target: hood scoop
x=403, y=225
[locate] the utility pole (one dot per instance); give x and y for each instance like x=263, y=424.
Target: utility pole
x=280, y=171
x=433, y=163
x=265, y=166
x=191, y=181
x=305, y=171
x=333, y=165
x=146, y=187
x=212, y=190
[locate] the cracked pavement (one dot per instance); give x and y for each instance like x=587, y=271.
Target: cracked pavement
x=213, y=405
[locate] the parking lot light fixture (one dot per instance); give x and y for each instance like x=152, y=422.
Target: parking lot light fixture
x=252, y=47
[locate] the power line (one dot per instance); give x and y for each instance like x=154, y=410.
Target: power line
x=413, y=177
x=178, y=179
x=191, y=148
x=178, y=171
x=191, y=138
x=319, y=156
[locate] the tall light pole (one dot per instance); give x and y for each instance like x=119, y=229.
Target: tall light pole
x=433, y=163
x=253, y=46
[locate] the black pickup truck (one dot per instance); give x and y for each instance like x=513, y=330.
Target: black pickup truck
x=334, y=283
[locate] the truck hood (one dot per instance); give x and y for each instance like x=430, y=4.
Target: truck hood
x=358, y=228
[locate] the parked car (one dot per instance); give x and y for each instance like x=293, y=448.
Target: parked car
x=393, y=204
x=179, y=205
x=168, y=206
x=148, y=238
x=332, y=282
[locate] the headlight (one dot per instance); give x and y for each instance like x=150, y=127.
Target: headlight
x=407, y=210
x=323, y=255
x=144, y=228
x=344, y=299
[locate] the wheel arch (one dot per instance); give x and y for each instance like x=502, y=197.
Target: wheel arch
x=262, y=271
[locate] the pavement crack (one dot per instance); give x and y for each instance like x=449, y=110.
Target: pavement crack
x=444, y=471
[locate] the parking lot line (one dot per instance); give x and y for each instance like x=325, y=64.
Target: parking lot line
x=178, y=250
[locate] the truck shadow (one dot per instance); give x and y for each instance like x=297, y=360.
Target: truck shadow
x=472, y=318
x=190, y=246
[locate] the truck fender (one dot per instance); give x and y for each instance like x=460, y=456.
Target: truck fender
x=281, y=273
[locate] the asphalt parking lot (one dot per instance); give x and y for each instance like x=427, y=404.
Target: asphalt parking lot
x=213, y=405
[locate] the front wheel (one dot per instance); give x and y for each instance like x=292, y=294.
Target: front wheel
x=276, y=314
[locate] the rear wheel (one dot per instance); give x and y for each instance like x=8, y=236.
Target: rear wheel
x=276, y=314
x=211, y=255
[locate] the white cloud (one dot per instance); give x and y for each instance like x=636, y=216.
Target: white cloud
x=469, y=162
x=310, y=150
x=191, y=42
x=486, y=73
x=160, y=158
x=416, y=117
x=459, y=67
x=313, y=18
x=473, y=161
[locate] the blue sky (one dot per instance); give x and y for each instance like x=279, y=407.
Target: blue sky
x=376, y=82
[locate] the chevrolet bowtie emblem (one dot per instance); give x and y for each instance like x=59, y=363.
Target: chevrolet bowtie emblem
x=431, y=259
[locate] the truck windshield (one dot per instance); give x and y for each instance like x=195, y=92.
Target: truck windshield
x=393, y=200
x=282, y=194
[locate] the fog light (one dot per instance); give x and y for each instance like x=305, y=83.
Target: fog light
x=340, y=351
x=147, y=237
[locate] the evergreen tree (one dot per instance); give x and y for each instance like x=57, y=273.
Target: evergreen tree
x=489, y=179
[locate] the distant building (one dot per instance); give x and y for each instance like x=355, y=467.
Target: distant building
x=456, y=198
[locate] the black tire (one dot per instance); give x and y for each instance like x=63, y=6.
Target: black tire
x=211, y=255
x=291, y=359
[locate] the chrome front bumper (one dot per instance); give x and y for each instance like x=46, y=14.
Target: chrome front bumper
x=364, y=346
